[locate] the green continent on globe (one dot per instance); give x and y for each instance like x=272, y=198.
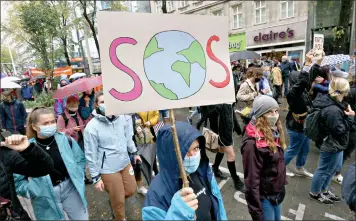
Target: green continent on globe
x=194, y=53
x=182, y=68
x=163, y=91
x=152, y=48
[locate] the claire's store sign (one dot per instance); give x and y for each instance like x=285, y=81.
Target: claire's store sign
x=272, y=36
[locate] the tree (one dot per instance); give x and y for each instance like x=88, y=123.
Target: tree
x=164, y=6
x=34, y=22
x=90, y=17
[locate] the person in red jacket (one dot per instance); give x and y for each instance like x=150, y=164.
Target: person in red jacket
x=263, y=160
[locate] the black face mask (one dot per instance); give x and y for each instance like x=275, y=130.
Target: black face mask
x=72, y=112
x=257, y=80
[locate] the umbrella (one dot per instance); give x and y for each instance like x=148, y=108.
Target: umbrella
x=8, y=84
x=77, y=75
x=78, y=86
x=10, y=79
x=242, y=55
x=335, y=59
x=40, y=77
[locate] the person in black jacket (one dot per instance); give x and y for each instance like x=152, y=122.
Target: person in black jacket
x=17, y=155
x=338, y=121
x=286, y=69
x=299, y=144
x=351, y=99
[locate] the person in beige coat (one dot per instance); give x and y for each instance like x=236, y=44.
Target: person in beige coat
x=277, y=82
x=248, y=91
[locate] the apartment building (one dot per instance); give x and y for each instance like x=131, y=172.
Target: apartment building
x=270, y=28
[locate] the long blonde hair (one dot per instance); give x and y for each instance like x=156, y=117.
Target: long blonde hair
x=32, y=119
x=338, y=88
x=263, y=126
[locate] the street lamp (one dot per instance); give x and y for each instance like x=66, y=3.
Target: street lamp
x=12, y=60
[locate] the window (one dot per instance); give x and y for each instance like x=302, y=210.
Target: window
x=237, y=17
x=260, y=9
x=170, y=6
x=218, y=13
x=183, y=4
x=287, y=9
x=105, y=5
x=158, y=6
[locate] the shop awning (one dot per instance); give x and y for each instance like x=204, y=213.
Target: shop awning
x=60, y=71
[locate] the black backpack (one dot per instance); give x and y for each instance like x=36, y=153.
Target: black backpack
x=314, y=127
x=65, y=119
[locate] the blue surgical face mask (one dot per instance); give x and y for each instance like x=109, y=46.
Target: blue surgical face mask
x=102, y=108
x=191, y=164
x=48, y=131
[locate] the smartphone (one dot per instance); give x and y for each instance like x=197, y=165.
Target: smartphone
x=5, y=134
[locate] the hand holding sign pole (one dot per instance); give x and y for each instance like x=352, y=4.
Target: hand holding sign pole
x=173, y=61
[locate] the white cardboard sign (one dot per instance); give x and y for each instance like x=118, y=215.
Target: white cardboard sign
x=155, y=61
x=318, y=45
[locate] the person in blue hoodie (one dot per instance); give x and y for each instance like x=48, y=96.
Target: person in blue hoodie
x=165, y=199
x=27, y=92
x=12, y=113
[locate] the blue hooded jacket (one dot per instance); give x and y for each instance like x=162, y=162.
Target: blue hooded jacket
x=163, y=201
x=13, y=115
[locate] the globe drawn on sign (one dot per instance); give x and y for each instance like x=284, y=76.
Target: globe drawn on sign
x=175, y=64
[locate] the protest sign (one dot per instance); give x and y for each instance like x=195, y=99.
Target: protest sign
x=318, y=45
x=155, y=61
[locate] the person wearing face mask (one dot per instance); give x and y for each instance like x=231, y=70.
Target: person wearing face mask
x=108, y=142
x=63, y=190
x=338, y=120
x=263, y=160
x=86, y=104
x=13, y=113
x=249, y=90
x=60, y=104
x=264, y=86
x=165, y=199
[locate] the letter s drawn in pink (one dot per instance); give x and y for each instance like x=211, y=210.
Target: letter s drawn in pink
x=137, y=89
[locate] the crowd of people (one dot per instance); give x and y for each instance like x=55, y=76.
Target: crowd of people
x=53, y=153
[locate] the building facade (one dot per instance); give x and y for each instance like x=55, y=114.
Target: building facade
x=270, y=28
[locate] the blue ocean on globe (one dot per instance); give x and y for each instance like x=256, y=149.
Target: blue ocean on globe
x=175, y=64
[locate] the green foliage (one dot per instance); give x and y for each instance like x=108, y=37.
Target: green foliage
x=43, y=99
x=338, y=32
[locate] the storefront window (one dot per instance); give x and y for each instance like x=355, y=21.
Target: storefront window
x=298, y=55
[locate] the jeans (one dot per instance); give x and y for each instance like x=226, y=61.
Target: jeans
x=271, y=212
x=285, y=84
x=68, y=200
x=328, y=163
x=277, y=92
x=298, y=146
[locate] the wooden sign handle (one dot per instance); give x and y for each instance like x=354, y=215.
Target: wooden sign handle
x=183, y=175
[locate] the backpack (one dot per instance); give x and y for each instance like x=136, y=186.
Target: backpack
x=65, y=119
x=314, y=127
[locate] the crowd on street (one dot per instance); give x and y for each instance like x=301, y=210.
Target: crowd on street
x=50, y=154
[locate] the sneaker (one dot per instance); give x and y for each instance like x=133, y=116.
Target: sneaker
x=303, y=172
x=332, y=196
x=320, y=198
x=190, y=121
x=338, y=179
x=240, y=186
x=142, y=190
x=289, y=173
x=219, y=174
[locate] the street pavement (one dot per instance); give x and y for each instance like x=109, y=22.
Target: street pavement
x=296, y=205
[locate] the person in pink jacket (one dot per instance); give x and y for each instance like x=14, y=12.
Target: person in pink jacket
x=70, y=123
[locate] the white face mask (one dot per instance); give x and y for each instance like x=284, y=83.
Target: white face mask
x=272, y=119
